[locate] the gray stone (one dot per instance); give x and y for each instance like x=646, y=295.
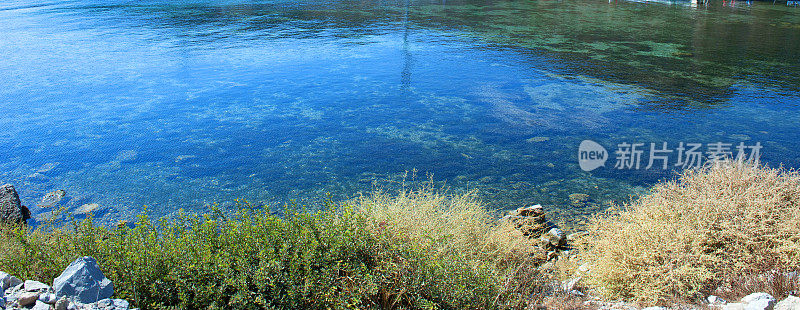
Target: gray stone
x=107, y=302
x=553, y=238
x=84, y=281
x=11, y=209
x=62, y=303
x=121, y=303
x=790, y=303
x=35, y=286
x=8, y=280
x=48, y=298
x=40, y=306
x=52, y=198
x=27, y=298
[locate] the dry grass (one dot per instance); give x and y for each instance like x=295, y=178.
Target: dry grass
x=447, y=223
x=688, y=237
x=459, y=225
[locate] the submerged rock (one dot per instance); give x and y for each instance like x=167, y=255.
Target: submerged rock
x=126, y=155
x=84, y=281
x=37, y=177
x=11, y=209
x=47, y=167
x=578, y=199
x=87, y=208
x=52, y=198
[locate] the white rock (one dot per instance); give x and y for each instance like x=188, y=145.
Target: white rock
x=733, y=306
x=759, y=301
x=716, y=300
x=48, y=298
x=761, y=304
x=556, y=236
x=569, y=285
x=757, y=296
x=790, y=303
x=40, y=306
x=35, y=286
x=121, y=303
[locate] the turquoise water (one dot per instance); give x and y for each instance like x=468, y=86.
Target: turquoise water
x=181, y=104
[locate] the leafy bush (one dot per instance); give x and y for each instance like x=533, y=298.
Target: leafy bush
x=692, y=236
x=367, y=253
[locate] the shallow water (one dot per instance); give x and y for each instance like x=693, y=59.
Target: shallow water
x=180, y=104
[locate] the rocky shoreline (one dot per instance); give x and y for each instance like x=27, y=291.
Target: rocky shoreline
x=82, y=286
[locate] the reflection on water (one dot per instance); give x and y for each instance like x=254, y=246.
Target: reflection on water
x=180, y=104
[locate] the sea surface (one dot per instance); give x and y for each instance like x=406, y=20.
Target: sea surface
x=159, y=105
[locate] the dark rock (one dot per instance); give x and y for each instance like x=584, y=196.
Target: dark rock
x=535, y=210
x=11, y=209
x=84, y=281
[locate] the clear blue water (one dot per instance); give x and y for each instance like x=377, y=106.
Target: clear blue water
x=181, y=104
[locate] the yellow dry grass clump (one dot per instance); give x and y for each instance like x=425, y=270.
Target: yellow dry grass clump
x=447, y=224
x=702, y=233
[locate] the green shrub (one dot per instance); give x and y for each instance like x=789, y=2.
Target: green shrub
x=707, y=231
x=343, y=257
